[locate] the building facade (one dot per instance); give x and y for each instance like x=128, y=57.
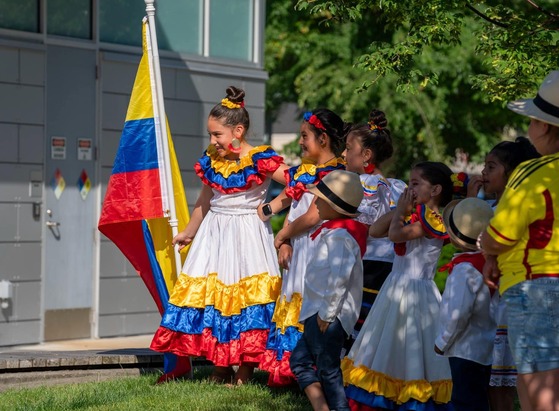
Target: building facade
x=66, y=73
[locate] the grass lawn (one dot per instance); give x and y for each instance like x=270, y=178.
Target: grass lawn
x=140, y=393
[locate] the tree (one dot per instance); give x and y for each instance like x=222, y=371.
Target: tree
x=517, y=42
x=421, y=62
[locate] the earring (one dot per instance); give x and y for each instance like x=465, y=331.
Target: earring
x=235, y=146
x=369, y=168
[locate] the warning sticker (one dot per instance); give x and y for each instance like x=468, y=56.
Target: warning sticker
x=58, y=148
x=58, y=184
x=85, y=149
x=84, y=184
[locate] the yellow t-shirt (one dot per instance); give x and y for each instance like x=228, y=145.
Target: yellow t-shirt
x=527, y=218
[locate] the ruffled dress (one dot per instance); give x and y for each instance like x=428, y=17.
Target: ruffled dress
x=392, y=364
x=222, y=304
x=377, y=261
x=286, y=329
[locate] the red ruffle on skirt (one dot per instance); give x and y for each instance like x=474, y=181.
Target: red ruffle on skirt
x=280, y=372
x=248, y=349
x=357, y=406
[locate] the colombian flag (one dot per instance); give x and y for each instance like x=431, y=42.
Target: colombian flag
x=134, y=215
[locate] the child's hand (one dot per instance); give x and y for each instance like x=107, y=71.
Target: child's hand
x=438, y=350
x=476, y=182
x=280, y=238
x=182, y=239
x=284, y=255
x=322, y=325
x=405, y=202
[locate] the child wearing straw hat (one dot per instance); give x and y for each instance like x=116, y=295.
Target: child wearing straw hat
x=333, y=290
x=467, y=317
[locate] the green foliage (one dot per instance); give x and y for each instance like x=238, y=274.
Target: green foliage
x=441, y=72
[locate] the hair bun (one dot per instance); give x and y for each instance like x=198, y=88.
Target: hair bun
x=378, y=118
x=234, y=94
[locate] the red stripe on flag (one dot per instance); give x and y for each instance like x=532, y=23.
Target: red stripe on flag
x=129, y=238
x=132, y=196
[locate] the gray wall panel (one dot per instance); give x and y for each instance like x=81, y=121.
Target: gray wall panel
x=124, y=295
x=9, y=69
x=169, y=83
x=20, y=261
x=130, y=324
x=32, y=69
x=8, y=142
x=113, y=263
x=114, y=111
x=186, y=89
x=25, y=104
x=185, y=118
x=110, y=141
x=31, y=147
x=25, y=305
x=18, y=333
x=14, y=180
x=118, y=77
x=189, y=150
x=17, y=223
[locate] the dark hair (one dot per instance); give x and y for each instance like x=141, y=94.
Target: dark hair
x=375, y=136
x=438, y=173
x=232, y=116
x=334, y=129
x=512, y=153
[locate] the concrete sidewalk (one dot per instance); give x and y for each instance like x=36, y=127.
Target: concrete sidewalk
x=76, y=361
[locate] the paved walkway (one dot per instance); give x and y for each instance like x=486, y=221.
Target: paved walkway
x=76, y=360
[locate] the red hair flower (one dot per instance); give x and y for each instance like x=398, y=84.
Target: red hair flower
x=314, y=120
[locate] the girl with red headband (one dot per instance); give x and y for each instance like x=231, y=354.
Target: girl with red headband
x=322, y=142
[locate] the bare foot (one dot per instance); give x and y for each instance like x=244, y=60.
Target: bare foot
x=222, y=375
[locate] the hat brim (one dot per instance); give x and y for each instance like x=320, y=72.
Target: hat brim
x=314, y=190
x=527, y=108
x=447, y=212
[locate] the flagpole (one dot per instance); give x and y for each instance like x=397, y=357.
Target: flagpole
x=161, y=122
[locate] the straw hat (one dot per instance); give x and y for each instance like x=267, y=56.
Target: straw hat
x=466, y=219
x=341, y=189
x=543, y=107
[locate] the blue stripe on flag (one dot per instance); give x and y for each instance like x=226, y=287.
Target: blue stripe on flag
x=138, y=150
x=158, y=278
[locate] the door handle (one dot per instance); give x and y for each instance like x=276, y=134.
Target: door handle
x=52, y=223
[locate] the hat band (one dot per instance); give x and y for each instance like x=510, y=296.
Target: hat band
x=546, y=106
x=457, y=233
x=330, y=195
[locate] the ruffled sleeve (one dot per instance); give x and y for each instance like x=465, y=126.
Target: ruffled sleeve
x=431, y=221
x=230, y=176
x=376, y=198
x=298, y=177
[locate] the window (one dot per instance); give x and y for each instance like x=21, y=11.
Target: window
x=179, y=25
x=20, y=15
x=69, y=18
x=120, y=21
x=231, y=29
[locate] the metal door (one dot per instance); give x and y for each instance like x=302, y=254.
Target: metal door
x=69, y=213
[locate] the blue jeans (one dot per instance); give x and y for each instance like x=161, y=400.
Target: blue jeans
x=470, y=381
x=316, y=358
x=533, y=324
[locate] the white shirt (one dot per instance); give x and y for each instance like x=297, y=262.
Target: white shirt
x=467, y=318
x=334, y=279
